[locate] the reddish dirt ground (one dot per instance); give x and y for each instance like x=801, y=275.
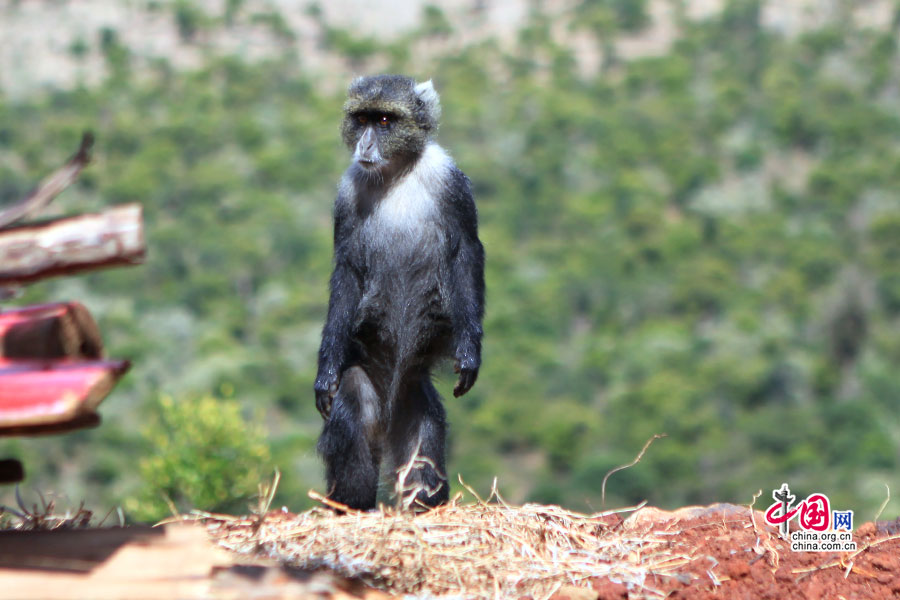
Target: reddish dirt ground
x=730, y=558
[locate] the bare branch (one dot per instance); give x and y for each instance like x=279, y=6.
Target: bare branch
x=50, y=187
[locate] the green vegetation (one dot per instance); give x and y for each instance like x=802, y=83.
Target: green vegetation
x=199, y=452
x=704, y=244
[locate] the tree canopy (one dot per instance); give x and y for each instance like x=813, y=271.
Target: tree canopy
x=703, y=243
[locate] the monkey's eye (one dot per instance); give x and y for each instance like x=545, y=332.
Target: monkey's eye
x=384, y=120
x=362, y=119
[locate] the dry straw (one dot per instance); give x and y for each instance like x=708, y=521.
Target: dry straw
x=483, y=549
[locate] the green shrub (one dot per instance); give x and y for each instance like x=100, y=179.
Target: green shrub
x=202, y=453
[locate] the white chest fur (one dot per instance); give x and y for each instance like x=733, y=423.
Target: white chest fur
x=413, y=201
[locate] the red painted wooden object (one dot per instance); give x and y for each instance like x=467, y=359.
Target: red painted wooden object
x=50, y=396
x=51, y=374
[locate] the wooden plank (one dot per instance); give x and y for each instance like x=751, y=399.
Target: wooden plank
x=78, y=550
x=174, y=561
x=62, y=330
x=64, y=246
x=171, y=562
x=53, y=393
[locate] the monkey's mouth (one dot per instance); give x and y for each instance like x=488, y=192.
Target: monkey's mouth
x=369, y=165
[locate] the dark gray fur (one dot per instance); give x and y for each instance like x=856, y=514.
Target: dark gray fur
x=407, y=291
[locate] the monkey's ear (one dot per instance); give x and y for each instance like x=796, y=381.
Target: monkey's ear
x=429, y=97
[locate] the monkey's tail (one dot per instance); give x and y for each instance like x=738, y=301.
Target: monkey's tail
x=407, y=360
x=400, y=378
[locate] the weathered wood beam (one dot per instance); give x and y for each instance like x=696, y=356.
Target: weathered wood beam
x=63, y=330
x=69, y=245
x=50, y=187
x=76, y=550
x=39, y=397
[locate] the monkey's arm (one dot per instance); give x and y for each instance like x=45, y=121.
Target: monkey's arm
x=345, y=296
x=467, y=285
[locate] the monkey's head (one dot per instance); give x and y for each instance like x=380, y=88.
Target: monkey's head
x=388, y=120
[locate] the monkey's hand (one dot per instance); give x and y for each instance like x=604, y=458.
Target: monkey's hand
x=467, y=368
x=326, y=387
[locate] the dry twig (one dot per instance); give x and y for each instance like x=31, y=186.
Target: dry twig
x=636, y=460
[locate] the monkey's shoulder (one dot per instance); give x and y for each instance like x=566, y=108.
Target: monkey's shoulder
x=448, y=188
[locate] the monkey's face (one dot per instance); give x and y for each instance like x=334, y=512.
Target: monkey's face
x=388, y=120
x=379, y=139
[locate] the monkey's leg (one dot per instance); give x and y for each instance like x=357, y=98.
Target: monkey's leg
x=350, y=442
x=416, y=443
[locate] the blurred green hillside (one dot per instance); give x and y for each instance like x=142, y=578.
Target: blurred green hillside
x=704, y=244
